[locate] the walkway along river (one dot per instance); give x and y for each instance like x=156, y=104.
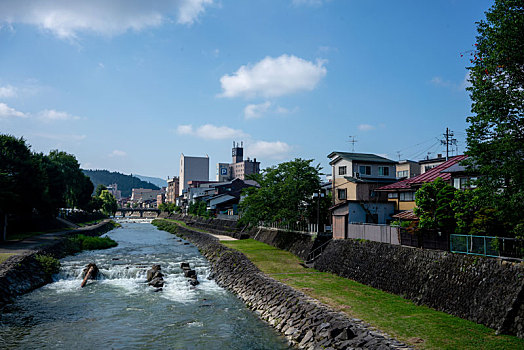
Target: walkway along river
x=121, y=311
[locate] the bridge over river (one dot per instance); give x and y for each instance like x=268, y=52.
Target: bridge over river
x=142, y=212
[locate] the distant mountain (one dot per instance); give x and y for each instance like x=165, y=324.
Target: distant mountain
x=125, y=182
x=154, y=180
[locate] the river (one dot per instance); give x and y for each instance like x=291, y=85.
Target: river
x=120, y=311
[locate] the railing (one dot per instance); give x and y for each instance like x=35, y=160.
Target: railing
x=317, y=252
x=497, y=247
x=297, y=227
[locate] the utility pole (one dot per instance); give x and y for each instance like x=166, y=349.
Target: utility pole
x=353, y=141
x=448, y=140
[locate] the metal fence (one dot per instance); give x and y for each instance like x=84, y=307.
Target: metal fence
x=497, y=247
x=374, y=232
x=297, y=227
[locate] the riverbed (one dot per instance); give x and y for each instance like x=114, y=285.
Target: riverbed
x=121, y=311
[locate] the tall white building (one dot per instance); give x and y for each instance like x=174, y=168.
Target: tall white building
x=192, y=169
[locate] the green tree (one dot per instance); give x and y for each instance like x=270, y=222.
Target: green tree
x=433, y=206
x=19, y=179
x=495, y=134
x=472, y=216
x=109, y=204
x=99, y=189
x=285, y=194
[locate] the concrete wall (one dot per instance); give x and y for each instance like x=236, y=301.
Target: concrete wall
x=375, y=233
x=483, y=290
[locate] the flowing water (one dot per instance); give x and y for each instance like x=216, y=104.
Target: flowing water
x=120, y=311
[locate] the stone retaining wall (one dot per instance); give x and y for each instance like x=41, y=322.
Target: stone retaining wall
x=305, y=322
x=20, y=274
x=483, y=290
x=297, y=243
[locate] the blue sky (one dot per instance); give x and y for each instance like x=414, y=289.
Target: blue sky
x=129, y=85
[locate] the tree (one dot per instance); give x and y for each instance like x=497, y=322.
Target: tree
x=109, y=204
x=472, y=216
x=285, y=194
x=496, y=129
x=99, y=189
x=433, y=206
x=18, y=172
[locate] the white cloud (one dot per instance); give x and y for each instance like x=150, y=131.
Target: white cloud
x=274, y=150
x=8, y=112
x=457, y=86
x=66, y=18
x=7, y=91
x=284, y=110
x=365, y=127
x=117, y=153
x=254, y=111
x=50, y=115
x=211, y=132
x=272, y=77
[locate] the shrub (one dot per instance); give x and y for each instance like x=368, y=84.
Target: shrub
x=49, y=264
x=82, y=242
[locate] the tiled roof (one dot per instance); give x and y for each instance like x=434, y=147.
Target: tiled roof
x=428, y=176
x=362, y=157
x=406, y=215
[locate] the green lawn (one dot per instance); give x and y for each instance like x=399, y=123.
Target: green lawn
x=4, y=256
x=417, y=325
x=181, y=223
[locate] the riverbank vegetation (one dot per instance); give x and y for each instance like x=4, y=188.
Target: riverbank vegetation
x=81, y=242
x=419, y=326
x=49, y=264
x=34, y=186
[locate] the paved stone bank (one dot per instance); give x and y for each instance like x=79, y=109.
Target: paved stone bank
x=304, y=321
x=483, y=290
x=20, y=274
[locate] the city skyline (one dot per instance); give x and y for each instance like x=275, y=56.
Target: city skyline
x=129, y=87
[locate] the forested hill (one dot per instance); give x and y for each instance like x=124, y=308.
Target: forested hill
x=125, y=182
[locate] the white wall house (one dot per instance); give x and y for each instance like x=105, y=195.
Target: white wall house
x=192, y=169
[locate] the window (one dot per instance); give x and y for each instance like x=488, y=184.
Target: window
x=402, y=173
x=393, y=195
x=407, y=196
x=342, y=194
x=364, y=170
x=342, y=170
x=383, y=171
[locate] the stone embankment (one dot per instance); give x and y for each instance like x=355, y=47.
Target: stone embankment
x=304, y=321
x=300, y=244
x=22, y=273
x=483, y=290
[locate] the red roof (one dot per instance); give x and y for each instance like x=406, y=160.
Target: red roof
x=428, y=176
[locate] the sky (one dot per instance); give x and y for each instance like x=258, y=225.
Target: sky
x=129, y=85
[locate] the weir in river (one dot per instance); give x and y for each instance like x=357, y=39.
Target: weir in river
x=120, y=310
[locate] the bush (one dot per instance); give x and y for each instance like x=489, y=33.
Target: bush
x=82, y=242
x=49, y=264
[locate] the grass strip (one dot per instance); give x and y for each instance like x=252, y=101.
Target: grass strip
x=419, y=326
x=183, y=224
x=5, y=256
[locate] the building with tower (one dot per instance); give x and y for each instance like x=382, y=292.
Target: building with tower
x=238, y=168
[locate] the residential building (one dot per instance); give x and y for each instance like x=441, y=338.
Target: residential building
x=407, y=168
x=192, y=169
x=428, y=164
x=113, y=189
x=172, y=189
x=355, y=176
x=402, y=193
x=160, y=199
x=142, y=195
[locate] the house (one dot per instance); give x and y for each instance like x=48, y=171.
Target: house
x=402, y=193
x=407, y=168
x=355, y=176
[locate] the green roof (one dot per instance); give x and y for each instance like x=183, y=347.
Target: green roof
x=360, y=157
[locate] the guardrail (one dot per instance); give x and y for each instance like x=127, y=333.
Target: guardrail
x=496, y=247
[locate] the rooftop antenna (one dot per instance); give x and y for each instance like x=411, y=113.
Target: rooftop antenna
x=398, y=154
x=353, y=141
